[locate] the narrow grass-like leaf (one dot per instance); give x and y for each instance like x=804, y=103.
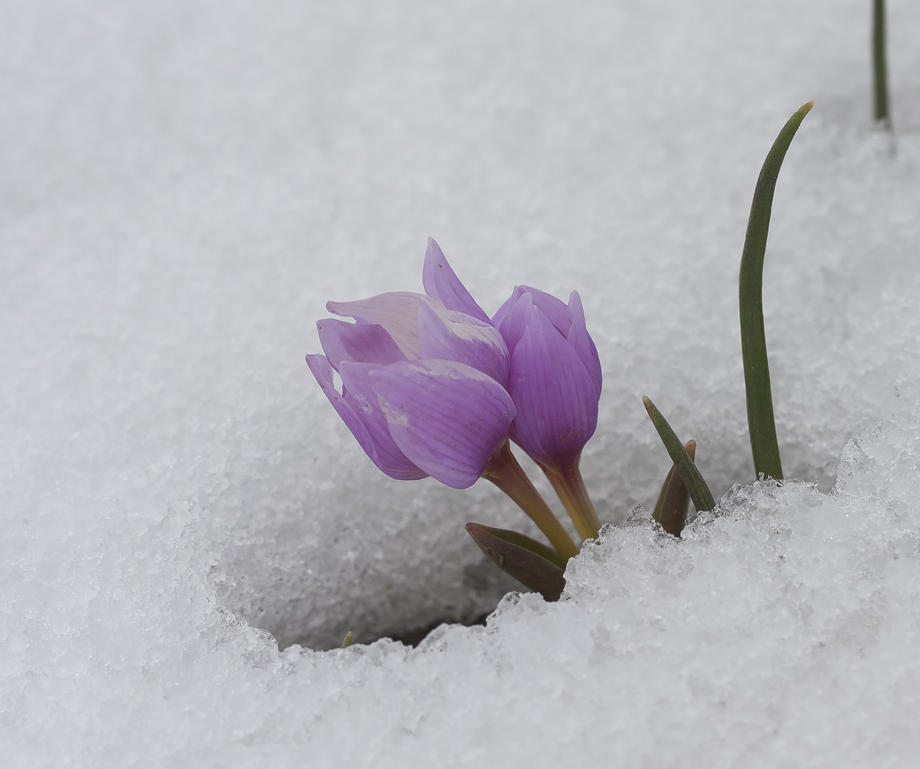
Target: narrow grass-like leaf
x=683, y=462
x=879, y=62
x=531, y=563
x=671, y=508
x=522, y=540
x=761, y=424
x=346, y=642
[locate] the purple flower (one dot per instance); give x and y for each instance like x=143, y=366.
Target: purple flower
x=555, y=383
x=555, y=375
x=424, y=378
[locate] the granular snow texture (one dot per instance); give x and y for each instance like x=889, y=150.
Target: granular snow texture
x=188, y=528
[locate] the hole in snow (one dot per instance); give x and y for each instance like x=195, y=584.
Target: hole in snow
x=316, y=613
x=314, y=541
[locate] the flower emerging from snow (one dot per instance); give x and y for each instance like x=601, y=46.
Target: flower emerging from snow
x=432, y=386
x=555, y=383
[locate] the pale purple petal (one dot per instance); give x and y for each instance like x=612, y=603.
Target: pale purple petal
x=553, y=308
x=581, y=340
x=371, y=434
x=359, y=392
x=555, y=396
x=516, y=319
x=446, y=417
x=396, y=311
x=448, y=335
x=361, y=342
x=501, y=312
x=442, y=284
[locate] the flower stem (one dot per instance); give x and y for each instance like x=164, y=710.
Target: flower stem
x=570, y=487
x=504, y=471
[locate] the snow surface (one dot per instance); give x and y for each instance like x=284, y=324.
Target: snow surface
x=183, y=185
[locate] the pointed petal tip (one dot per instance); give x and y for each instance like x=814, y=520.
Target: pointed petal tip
x=319, y=365
x=441, y=283
x=433, y=250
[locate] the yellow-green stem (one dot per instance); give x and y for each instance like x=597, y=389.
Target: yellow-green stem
x=504, y=471
x=570, y=487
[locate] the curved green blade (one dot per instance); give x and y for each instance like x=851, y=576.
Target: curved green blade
x=671, y=508
x=683, y=462
x=761, y=424
x=879, y=63
x=531, y=563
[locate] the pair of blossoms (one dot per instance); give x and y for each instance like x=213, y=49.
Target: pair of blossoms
x=431, y=386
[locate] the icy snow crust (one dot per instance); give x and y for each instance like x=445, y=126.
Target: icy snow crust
x=183, y=187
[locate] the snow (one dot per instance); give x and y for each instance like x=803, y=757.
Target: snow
x=189, y=530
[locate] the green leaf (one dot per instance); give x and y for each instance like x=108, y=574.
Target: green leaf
x=346, y=642
x=683, y=462
x=879, y=63
x=531, y=563
x=761, y=424
x=671, y=508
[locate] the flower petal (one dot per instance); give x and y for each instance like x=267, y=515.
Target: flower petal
x=442, y=284
x=513, y=315
x=581, y=340
x=516, y=319
x=446, y=417
x=361, y=342
x=396, y=311
x=449, y=335
x=501, y=312
x=371, y=434
x=553, y=308
x=554, y=394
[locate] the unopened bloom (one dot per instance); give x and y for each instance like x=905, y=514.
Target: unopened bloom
x=555, y=383
x=555, y=376
x=424, y=386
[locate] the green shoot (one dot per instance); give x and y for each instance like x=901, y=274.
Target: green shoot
x=671, y=508
x=686, y=469
x=879, y=63
x=761, y=424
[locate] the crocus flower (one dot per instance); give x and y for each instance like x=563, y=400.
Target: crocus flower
x=425, y=388
x=555, y=383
